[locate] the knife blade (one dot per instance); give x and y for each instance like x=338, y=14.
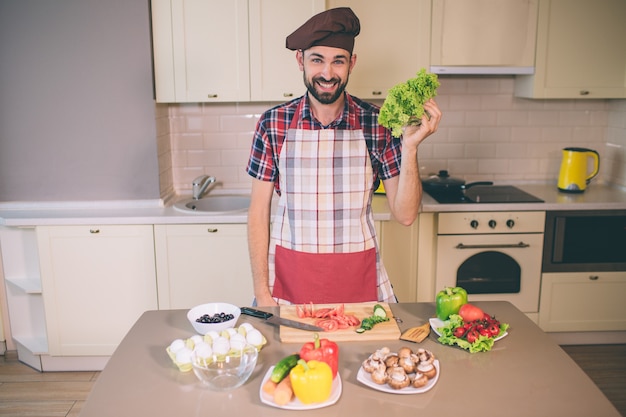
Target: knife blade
x=279, y=321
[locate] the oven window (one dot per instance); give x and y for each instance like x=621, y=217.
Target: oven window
x=489, y=272
x=594, y=239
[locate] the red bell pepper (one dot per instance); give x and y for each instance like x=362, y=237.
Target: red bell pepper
x=323, y=350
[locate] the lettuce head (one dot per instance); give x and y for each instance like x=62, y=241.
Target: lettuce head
x=404, y=104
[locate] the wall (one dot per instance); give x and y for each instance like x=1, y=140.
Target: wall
x=77, y=109
x=615, y=152
x=486, y=134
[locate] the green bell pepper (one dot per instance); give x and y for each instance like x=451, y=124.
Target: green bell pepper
x=449, y=301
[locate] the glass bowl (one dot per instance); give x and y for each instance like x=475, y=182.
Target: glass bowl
x=225, y=372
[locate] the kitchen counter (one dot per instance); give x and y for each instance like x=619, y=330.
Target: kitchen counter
x=596, y=197
x=526, y=374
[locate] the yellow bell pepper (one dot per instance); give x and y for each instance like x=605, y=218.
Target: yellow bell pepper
x=311, y=381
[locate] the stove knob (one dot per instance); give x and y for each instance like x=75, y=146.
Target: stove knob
x=492, y=224
x=474, y=224
x=510, y=223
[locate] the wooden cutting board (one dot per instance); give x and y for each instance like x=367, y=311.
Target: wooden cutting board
x=387, y=330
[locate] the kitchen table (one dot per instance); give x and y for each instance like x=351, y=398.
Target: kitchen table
x=525, y=374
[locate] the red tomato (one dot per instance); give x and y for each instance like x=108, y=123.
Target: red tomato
x=470, y=312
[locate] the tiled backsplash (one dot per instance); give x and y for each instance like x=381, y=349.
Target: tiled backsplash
x=486, y=134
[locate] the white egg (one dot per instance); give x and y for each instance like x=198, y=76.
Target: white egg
x=196, y=338
x=210, y=336
x=237, y=342
x=203, y=350
x=183, y=356
x=177, y=345
x=244, y=328
x=231, y=331
x=254, y=337
x=221, y=346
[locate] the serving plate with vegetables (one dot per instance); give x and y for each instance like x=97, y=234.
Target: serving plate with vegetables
x=471, y=329
x=294, y=403
x=305, y=380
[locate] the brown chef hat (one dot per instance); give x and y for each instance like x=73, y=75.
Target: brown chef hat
x=335, y=27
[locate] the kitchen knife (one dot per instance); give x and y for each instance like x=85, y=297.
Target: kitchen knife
x=279, y=321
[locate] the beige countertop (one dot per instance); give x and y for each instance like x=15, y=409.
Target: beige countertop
x=596, y=197
x=525, y=374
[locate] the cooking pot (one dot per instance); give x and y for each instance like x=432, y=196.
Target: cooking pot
x=444, y=184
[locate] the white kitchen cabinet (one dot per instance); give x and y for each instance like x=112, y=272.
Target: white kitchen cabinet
x=394, y=43
x=580, y=51
x=217, y=51
x=201, y=51
x=20, y=263
x=399, y=253
x=583, y=301
x=483, y=36
x=96, y=282
x=200, y=263
x=274, y=72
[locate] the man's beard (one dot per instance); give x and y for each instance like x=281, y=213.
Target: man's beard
x=325, y=98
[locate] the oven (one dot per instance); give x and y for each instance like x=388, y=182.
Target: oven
x=585, y=240
x=495, y=256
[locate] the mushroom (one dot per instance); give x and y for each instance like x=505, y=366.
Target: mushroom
x=407, y=363
x=428, y=369
x=381, y=353
x=425, y=356
x=370, y=364
x=398, y=378
x=391, y=360
x=404, y=352
x=419, y=380
x=379, y=375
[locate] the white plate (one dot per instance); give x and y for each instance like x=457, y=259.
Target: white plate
x=295, y=404
x=366, y=379
x=436, y=323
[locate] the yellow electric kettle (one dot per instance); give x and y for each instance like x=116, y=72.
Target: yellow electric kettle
x=574, y=175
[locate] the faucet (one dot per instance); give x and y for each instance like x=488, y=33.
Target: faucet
x=200, y=185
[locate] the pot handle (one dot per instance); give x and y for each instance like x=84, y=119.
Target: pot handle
x=471, y=184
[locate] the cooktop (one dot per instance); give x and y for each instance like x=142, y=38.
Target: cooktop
x=485, y=194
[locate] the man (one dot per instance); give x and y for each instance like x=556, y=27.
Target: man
x=322, y=153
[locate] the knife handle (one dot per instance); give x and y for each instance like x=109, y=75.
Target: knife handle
x=255, y=313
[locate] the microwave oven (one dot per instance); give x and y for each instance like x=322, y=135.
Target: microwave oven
x=583, y=241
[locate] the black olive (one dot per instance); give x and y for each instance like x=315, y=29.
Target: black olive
x=216, y=318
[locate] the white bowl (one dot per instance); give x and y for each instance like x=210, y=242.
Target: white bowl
x=212, y=309
x=225, y=372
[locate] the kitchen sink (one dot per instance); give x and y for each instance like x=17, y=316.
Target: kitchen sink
x=215, y=204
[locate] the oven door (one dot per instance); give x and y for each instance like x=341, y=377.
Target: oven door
x=492, y=267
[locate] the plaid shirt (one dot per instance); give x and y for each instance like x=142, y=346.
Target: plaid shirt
x=271, y=130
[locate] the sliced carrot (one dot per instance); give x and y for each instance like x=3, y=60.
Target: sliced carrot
x=283, y=392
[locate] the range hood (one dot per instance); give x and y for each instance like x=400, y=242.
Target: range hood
x=481, y=70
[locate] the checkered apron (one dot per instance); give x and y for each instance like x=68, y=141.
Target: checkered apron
x=322, y=245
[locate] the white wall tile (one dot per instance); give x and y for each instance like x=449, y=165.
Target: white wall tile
x=485, y=134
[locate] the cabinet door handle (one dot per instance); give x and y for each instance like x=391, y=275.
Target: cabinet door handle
x=212, y=95
x=495, y=246
x=594, y=277
x=211, y=230
x=377, y=93
x=584, y=92
x=287, y=94
x=94, y=231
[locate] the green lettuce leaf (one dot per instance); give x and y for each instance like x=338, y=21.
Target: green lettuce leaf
x=404, y=104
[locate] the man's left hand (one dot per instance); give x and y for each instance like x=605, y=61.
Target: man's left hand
x=414, y=135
